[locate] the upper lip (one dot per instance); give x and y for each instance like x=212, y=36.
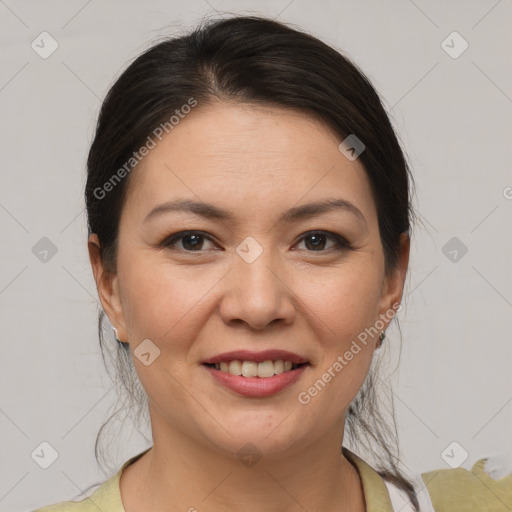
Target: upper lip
x=258, y=357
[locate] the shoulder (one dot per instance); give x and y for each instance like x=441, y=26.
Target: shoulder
x=85, y=505
x=106, y=498
x=67, y=506
x=487, y=486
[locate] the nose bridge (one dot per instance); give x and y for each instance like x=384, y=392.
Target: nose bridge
x=256, y=270
x=256, y=294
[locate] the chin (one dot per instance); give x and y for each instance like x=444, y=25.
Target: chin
x=267, y=433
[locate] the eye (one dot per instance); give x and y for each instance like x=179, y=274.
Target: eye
x=316, y=240
x=191, y=241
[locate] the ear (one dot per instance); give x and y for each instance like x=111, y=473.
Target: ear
x=108, y=288
x=393, y=284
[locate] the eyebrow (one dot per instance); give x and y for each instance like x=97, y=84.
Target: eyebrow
x=210, y=211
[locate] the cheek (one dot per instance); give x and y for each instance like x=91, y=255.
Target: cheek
x=159, y=301
x=347, y=305
x=346, y=300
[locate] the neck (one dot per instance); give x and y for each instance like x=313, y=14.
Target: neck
x=179, y=473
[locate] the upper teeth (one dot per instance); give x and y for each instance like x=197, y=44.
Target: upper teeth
x=253, y=369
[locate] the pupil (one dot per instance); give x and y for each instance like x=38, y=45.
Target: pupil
x=196, y=241
x=319, y=242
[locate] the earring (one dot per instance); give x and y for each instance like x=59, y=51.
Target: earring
x=115, y=334
x=381, y=336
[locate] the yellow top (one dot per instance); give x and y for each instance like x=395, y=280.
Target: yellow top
x=450, y=490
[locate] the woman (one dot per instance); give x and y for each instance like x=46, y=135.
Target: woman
x=249, y=221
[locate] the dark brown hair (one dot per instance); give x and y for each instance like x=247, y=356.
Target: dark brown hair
x=259, y=61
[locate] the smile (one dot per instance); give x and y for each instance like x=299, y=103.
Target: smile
x=243, y=377
x=263, y=370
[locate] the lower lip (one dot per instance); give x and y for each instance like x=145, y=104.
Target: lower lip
x=256, y=386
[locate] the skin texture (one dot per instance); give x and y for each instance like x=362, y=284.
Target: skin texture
x=257, y=163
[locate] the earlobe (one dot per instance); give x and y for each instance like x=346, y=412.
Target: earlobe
x=107, y=287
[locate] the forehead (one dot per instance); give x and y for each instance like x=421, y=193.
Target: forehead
x=245, y=155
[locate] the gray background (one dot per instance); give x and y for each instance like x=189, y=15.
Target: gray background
x=454, y=381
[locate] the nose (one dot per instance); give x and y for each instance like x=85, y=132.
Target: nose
x=257, y=294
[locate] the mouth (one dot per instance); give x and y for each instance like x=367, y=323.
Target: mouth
x=252, y=369
x=256, y=374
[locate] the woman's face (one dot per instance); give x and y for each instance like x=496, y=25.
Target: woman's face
x=265, y=272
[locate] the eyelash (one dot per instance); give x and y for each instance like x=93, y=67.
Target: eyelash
x=342, y=243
